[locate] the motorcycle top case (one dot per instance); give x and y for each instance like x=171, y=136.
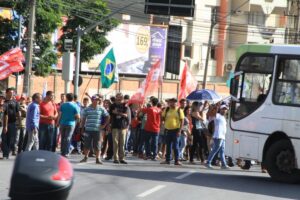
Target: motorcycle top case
x=41, y=175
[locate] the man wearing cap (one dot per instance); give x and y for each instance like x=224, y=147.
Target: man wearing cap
x=173, y=118
x=219, y=137
x=92, y=118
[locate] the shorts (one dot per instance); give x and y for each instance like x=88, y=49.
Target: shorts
x=92, y=139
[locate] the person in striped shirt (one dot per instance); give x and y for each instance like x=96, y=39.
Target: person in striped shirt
x=92, y=117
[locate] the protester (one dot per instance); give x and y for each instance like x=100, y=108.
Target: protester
x=32, y=122
x=75, y=147
x=182, y=104
x=56, y=128
x=219, y=137
x=152, y=129
x=197, y=132
x=107, y=145
x=92, y=121
x=48, y=113
x=68, y=116
x=184, y=134
x=173, y=119
x=20, y=136
x=11, y=113
x=141, y=137
x=119, y=126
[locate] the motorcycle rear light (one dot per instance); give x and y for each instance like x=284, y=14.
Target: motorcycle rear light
x=65, y=170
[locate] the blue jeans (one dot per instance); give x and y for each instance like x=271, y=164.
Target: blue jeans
x=8, y=139
x=151, y=144
x=172, y=141
x=46, y=134
x=54, y=139
x=182, y=144
x=132, y=140
x=218, y=146
x=66, y=136
x=127, y=138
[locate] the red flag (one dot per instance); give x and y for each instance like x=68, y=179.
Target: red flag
x=10, y=62
x=187, y=83
x=149, y=85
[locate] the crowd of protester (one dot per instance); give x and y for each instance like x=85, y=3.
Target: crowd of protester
x=115, y=128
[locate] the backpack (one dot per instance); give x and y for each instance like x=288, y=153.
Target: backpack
x=178, y=112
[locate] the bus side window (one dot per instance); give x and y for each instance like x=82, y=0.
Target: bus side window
x=287, y=89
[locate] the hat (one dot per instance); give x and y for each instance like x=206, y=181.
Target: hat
x=224, y=107
x=95, y=97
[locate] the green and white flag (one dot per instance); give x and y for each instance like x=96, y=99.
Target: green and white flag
x=108, y=69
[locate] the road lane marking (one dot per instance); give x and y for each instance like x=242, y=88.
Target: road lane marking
x=148, y=192
x=182, y=176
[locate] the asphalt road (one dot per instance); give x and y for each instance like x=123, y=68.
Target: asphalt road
x=149, y=180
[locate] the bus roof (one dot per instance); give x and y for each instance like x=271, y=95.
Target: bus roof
x=268, y=49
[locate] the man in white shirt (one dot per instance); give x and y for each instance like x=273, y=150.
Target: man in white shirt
x=219, y=138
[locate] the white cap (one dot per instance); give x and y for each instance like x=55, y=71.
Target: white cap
x=224, y=106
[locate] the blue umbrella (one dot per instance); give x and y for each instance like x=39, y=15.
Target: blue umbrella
x=203, y=95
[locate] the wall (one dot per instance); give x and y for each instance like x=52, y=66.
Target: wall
x=129, y=86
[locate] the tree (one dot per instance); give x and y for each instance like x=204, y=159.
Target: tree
x=49, y=15
x=47, y=20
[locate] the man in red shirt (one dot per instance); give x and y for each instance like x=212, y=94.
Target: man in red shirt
x=48, y=114
x=152, y=129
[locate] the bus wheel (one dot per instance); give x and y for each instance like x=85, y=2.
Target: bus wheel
x=281, y=162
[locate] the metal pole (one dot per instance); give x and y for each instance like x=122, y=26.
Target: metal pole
x=213, y=23
x=29, y=52
x=19, y=45
x=79, y=34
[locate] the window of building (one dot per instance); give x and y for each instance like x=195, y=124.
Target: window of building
x=213, y=52
x=287, y=89
x=188, y=51
x=256, y=18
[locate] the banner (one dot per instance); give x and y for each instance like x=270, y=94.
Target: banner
x=136, y=49
x=10, y=62
x=187, y=83
x=149, y=85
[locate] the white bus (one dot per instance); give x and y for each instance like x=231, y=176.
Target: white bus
x=264, y=122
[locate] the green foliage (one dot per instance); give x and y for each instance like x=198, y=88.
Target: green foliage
x=49, y=15
x=6, y=42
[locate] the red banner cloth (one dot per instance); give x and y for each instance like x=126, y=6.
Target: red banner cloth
x=149, y=85
x=187, y=83
x=10, y=62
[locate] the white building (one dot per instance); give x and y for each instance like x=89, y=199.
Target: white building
x=238, y=22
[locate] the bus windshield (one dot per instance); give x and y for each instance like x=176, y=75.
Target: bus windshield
x=253, y=84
